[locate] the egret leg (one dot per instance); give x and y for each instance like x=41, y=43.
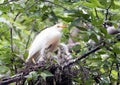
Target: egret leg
x=33, y=60
x=42, y=55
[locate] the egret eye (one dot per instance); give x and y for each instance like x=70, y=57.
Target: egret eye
x=58, y=26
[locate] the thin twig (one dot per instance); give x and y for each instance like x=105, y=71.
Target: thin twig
x=19, y=12
x=16, y=16
x=96, y=13
x=107, y=11
x=11, y=39
x=31, y=6
x=12, y=50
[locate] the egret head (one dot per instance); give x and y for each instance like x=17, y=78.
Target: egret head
x=60, y=26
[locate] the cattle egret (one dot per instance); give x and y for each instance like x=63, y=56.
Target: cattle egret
x=48, y=39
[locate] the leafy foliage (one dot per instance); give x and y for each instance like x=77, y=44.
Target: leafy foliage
x=21, y=20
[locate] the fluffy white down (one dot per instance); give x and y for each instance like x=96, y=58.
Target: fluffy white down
x=44, y=39
x=111, y=30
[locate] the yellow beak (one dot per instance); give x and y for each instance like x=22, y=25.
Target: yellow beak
x=63, y=26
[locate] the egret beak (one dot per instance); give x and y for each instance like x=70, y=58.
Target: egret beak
x=63, y=26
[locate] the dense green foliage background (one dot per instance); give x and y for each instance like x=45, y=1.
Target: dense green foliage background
x=21, y=20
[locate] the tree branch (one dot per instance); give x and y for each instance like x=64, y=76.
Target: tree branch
x=12, y=50
x=16, y=16
x=11, y=39
x=96, y=13
x=107, y=11
x=21, y=75
x=34, y=4
x=84, y=55
x=19, y=12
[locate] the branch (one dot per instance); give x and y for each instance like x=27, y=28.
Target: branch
x=84, y=55
x=107, y=11
x=19, y=12
x=34, y=4
x=21, y=75
x=96, y=13
x=12, y=50
x=16, y=16
x=11, y=39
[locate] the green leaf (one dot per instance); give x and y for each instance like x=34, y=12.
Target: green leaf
x=67, y=19
x=92, y=4
x=96, y=2
x=77, y=3
x=116, y=50
x=102, y=70
x=117, y=4
x=104, y=31
x=46, y=74
x=32, y=76
x=114, y=74
x=93, y=37
x=74, y=23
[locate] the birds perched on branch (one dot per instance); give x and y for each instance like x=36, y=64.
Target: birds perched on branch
x=46, y=41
